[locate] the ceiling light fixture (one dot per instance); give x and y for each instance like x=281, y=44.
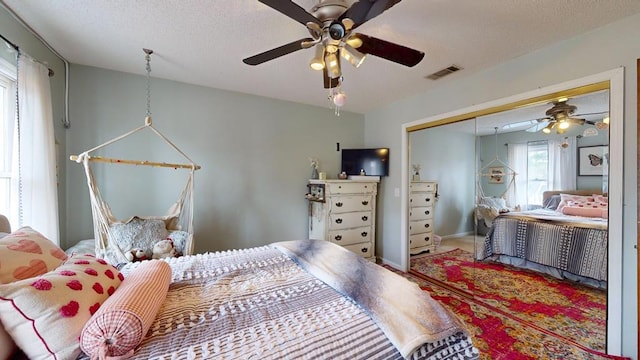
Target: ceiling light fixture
x=333, y=65
x=353, y=56
x=317, y=63
x=548, y=128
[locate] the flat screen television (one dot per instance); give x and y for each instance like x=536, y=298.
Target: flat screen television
x=374, y=162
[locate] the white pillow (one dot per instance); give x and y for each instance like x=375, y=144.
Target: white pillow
x=45, y=315
x=138, y=233
x=494, y=202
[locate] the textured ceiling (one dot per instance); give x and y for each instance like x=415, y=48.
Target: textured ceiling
x=203, y=42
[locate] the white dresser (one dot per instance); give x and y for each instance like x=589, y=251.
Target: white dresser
x=422, y=199
x=344, y=212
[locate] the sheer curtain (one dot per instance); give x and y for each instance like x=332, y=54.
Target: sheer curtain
x=517, y=193
x=34, y=189
x=562, y=163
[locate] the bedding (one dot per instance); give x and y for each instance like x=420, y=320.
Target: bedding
x=301, y=299
x=573, y=247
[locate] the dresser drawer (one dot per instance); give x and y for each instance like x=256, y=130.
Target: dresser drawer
x=419, y=240
x=350, y=220
x=422, y=187
x=350, y=188
x=420, y=213
x=423, y=199
x=341, y=204
x=350, y=236
x=362, y=249
x=420, y=226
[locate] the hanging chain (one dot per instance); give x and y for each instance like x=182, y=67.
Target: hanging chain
x=148, y=58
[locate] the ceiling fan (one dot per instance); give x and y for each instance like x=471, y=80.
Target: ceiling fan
x=559, y=117
x=331, y=24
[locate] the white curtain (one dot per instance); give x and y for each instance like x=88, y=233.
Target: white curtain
x=517, y=193
x=562, y=163
x=34, y=189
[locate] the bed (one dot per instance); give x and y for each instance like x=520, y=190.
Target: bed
x=567, y=238
x=294, y=299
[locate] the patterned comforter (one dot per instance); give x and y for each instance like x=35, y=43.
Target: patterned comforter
x=259, y=303
x=573, y=244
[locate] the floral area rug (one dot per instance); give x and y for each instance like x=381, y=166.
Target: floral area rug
x=513, y=313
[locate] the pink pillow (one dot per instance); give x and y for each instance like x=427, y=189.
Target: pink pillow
x=565, y=198
x=601, y=198
x=45, y=315
x=25, y=253
x=597, y=212
x=124, y=319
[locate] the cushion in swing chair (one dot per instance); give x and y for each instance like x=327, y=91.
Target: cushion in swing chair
x=142, y=234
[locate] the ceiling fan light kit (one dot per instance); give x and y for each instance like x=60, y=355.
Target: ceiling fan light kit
x=331, y=24
x=317, y=62
x=560, y=117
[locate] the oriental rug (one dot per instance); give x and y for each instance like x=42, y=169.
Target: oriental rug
x=514, y=313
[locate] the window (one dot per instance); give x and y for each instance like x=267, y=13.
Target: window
x=7, y=119
x=530, y=161
x=537, y=171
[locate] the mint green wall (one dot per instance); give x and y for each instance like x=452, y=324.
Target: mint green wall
x=451, y=167
x=254, y=154
x=602, y=49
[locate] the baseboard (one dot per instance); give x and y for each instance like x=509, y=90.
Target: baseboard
x=391, y=263
x=468, y=233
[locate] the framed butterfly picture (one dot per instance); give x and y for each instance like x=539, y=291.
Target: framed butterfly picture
x=593, y=160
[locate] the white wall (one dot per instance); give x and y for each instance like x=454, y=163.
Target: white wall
x=600, y=50
x=254, y=154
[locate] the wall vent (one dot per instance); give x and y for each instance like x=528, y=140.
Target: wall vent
x=444, y=72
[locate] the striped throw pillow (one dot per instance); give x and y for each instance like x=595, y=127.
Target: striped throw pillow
x=123, y=320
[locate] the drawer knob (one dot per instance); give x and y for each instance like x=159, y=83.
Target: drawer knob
x=365, y=203
x=338, y=221
x=426, y=225
x=364, y=250
x=339, y=204
x=338, y=237
x=427, y=199
x=363, y=234
x=365, y=218
x=427, y=212
x=426, y=238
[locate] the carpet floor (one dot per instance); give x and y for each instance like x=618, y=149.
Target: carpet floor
x=513, y=313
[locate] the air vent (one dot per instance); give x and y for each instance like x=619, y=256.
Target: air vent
x=444, y=72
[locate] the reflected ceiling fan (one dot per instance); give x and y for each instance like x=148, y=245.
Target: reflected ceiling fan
x=331, y=24
x=560, y=117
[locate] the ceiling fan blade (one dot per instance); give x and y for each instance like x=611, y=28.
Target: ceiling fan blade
x=329, y=83
x=277, y=52
x=292, y=10
x=387, y=50
x=592, y=113
x=365, y=10
x=543, y=123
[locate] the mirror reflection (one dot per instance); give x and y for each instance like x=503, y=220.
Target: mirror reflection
x=520, y=211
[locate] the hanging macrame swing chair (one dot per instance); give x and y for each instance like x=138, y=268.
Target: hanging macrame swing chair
x=488, y=208
x=114, y=244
